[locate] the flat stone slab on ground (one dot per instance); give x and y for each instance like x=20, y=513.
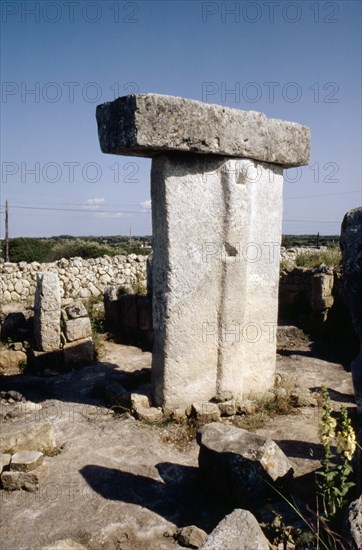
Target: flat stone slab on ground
x=147, y=124
x=26, y=461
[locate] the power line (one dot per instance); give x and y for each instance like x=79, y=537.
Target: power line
x=84, y=210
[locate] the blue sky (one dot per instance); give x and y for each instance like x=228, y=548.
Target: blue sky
x=298, y=61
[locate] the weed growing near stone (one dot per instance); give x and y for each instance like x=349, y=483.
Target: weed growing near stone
x=330, y=257
x=333, y=480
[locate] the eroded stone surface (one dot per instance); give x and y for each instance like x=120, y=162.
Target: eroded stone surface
x=78, y=329
x=150, y=124
x=353, y=525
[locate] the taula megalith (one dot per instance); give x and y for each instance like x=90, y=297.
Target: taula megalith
x=216, y=189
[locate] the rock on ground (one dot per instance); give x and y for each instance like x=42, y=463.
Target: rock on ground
x=237, y=531
x=191, y=536
x=353, y=527
x=240, y=464
x=38, y=436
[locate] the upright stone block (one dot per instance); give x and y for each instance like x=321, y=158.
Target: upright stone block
x=216, y=233
x=47, y=312
x=351, y=246
x=216, y=187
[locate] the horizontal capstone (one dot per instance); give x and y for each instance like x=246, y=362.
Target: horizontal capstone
x=151, y=124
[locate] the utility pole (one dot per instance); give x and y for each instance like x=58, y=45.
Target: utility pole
x=6, y=231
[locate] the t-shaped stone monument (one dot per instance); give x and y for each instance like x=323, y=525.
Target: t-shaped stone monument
x=216, y=189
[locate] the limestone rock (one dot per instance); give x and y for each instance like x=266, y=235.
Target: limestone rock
x=147, y=124
x=11, y=362
x=190, y=536
x=76, y=310
x=26, y=461
x=139, y=401
x=79, y=352
x=351, y=246
x=240, y=464
x=151, y=415
x=353, y=526
x=237, y=531
x=65, y=544
x=228, y=408
x=206, y=293
x=246, y=406
x=38, y=436
x=205, y=412
x=179, y=415
x=47, y=312
x=78, y=329
x=29, y=481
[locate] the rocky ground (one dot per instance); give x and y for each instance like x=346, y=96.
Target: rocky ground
x=120, y=484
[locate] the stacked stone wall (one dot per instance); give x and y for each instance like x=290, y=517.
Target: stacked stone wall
x=78, y=278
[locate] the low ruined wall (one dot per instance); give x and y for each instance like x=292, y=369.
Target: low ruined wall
x=78, y=278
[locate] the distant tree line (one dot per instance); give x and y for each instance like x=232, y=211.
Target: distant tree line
x=32, y=249
x=291, y=241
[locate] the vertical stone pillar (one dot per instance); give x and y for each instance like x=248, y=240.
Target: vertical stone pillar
x=47, y=312
x=216, y=187
x=216, y=231
x=351, y=246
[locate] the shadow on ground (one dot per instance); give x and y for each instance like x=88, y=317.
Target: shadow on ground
x=179, y=495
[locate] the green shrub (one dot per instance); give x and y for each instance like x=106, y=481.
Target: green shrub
x=29, y=249
x=79, y=248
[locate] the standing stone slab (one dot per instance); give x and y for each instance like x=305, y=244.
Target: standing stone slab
x=47, y=312
x=216, y=234
x=216, y=187
x=351, y=246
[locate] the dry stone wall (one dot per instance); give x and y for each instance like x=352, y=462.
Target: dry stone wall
x=78, y=278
